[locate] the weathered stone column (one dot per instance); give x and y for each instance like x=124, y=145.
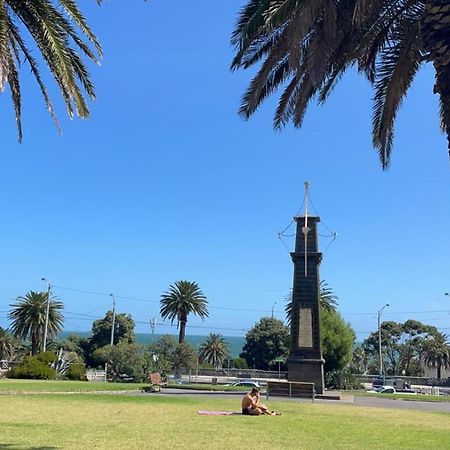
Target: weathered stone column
x=305, y=361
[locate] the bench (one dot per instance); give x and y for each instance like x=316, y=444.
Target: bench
x=156, y=383
x=291, y=389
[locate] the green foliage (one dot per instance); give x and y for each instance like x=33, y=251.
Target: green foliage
x=184, y=357
x=101, y=331
x=267, y=340
x=57, y=32
x=343, y=379
x=28, y=317
x=240, y=363
x=76, y=372
x=402, y=345
x=337, y=341
x=214, y=350
x=8, y=344
x=182, y=299
x=125, y=361
x=36, y=367
x=163, y=354
x=304, y=47
x=435, y=352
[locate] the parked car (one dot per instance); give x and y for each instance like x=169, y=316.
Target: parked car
x=247, y=383
x=390, y=390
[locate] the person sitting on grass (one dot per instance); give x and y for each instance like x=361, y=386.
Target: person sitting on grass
x=252, y=406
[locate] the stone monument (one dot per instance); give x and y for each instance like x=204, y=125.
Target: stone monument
x=305, y=362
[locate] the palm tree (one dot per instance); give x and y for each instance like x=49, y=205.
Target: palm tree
x=58, y=31
x=7, y=344
x=436, y=353
x=214, y=350
x=183, y=298
x=327, y=298
x=306, y=46
x=28, y=318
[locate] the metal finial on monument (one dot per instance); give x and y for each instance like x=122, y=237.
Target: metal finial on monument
x=305, y=228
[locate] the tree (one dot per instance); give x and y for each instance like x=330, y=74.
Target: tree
x=123, y=330
x=306, y=46
x=28, y=318
x=7, y=344
x=58, y=32
x=125, y=361
x=266, y=341
x=402, y=345
x=338, y=338
x=182, y=299
x=214, y=350
x=436, y=353
x=327, y=299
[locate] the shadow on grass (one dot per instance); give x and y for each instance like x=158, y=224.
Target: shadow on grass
x=16, y=447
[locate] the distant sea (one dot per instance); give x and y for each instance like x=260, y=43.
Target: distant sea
x=235, y=344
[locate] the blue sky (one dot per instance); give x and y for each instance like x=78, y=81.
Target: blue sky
x=165, y=182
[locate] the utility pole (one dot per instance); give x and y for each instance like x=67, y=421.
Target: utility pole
x=47, y=313
x=113, y=319
x=379, y=338
x=153, y=326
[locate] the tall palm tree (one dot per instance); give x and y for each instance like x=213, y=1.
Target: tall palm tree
x=327, y=298
x=7, y=344
x=306, y=46
x=436, y=353
x=214, y=350
x=182, y=299
x=28, y=318
x=58, y=32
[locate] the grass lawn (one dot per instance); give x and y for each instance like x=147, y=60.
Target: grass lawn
x=48, y=421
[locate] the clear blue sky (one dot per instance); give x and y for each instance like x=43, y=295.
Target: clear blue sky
x=165, y=182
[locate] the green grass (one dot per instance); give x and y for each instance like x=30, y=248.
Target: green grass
x=27, y=386
x=47, y=421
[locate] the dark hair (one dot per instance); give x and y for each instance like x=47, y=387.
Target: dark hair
x=255, y=389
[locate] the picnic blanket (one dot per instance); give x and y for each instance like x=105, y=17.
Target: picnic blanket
x=205, y=412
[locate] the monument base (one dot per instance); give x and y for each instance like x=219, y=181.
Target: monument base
x=307, y=370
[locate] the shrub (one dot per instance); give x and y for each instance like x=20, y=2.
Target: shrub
x=76, y=372
x=32, y=367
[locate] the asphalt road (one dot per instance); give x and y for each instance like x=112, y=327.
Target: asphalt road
x=366, y=401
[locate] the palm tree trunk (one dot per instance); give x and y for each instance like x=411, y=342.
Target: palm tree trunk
x=439, y=370
x=182, y=334
x=436, y=42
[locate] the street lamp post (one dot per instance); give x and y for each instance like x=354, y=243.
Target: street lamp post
x=273, y=306
x=152, y=326
x=47, y=313
x=113, y=319
x=379, y=338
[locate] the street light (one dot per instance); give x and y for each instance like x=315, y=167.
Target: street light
x=152, y=326
x=113, y=319
x=47, y=313
x=379, y=338
x=273, y=306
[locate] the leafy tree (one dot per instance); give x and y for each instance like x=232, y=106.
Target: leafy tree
x=124, y=360
x=163, y=353
x=184, y=358
x=436, y=353
x=265, y=341
x=359, y=361
x=182, y=299
x=306, y=46
x=28, y=318
x=214, y=350
x=7, y=344
x=338, y=338
x=123, y=330
x=57, y=31
x=401, y=345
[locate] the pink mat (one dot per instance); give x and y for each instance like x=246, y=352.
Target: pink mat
x=217, y=413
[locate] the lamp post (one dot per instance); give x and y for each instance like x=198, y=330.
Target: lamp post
x=47, y=313
x=152, y=326
x=273, y=306
x=379, y=338
x=113, y=319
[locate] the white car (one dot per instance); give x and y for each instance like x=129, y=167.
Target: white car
x=383, y=390
x=247, y=383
